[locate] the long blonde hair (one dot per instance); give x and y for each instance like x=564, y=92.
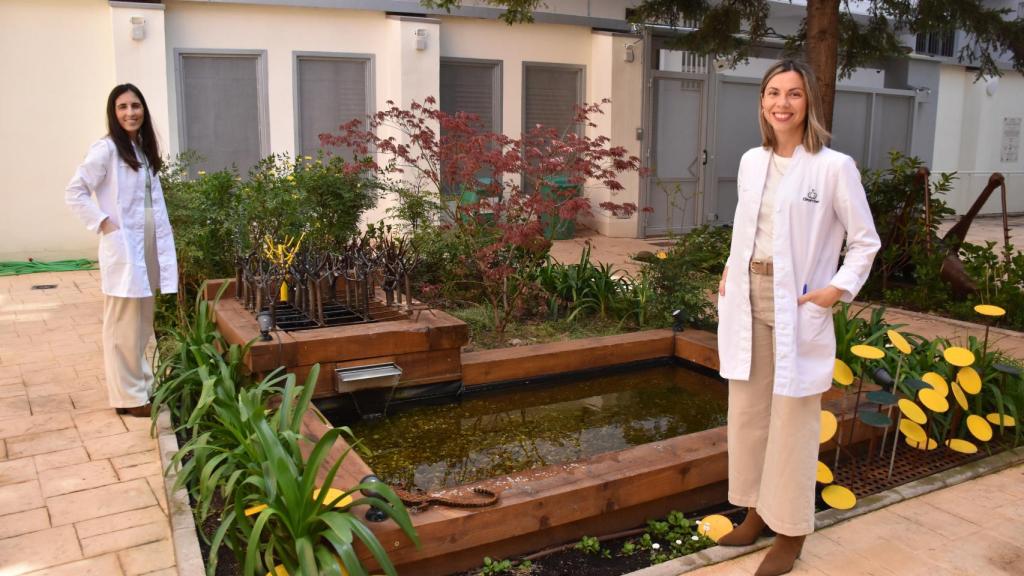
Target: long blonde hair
x=815, y=134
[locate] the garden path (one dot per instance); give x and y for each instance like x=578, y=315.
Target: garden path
x=81, y=491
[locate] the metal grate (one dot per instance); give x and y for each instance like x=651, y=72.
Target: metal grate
x=867, y=478
x=290, y=318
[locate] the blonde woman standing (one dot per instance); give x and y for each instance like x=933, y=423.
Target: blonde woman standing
x=136, y=252
x=798, y=200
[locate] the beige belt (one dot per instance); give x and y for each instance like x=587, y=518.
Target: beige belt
x=763, y=267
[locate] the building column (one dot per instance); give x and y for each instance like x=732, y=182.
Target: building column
x=140, y=58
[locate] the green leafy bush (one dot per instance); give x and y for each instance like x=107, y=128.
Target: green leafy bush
x=688, y=274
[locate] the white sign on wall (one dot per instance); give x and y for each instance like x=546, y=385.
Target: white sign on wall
x=1011, y=140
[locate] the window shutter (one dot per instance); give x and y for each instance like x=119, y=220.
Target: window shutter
x=222, y=110
x=552, y=95
x=332, y=91
x=470, y=87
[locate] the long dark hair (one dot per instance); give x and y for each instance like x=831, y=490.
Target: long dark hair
x=147, y=137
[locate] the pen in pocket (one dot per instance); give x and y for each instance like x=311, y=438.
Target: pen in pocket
x=805, y=289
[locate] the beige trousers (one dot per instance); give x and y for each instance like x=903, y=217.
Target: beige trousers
x=773, y=440
x=127, y=329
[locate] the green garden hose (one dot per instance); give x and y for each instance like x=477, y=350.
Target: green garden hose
x=30, y=267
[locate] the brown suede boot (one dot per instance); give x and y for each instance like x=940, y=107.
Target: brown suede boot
x=781, y=556
x=746, y=533
x=143, y=411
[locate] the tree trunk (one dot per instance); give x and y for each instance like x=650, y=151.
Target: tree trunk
x=822, y=49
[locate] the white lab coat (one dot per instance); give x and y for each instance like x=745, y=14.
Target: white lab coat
x=120, y=195
x=819, y=201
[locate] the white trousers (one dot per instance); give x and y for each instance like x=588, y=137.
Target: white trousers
x=127, y=330
x=773, y=440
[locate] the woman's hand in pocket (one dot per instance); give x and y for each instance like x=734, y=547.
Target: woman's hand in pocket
x=825, y=297
x=108, y=226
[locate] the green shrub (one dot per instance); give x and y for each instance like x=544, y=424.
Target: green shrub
x=687, y=275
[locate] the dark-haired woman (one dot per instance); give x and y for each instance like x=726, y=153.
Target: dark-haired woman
x=136, y=251
x=798, y=200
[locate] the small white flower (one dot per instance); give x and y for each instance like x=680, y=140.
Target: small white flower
x=694, y=538
x=679, y=542
x=655, y=546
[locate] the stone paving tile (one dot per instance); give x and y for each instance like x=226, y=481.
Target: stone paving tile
x=50, y=404
x=60, y=458
x=12, y=388
x=32, y=424
x=137, y=459
x=43, y=442
x=24, y=522
x=90, y=399
x=148, y=469
x=77, y=477
x=100, y=566
x=47, y=376
x=98, y=502
x=81, y=355
x=126, y=538
x=156, y=484
x=119, y=521
x=51, y=388
x=147, y=558
x=38, y=550
x=985, y=555
x=3, y=450
x=927, y=516
x=15, y=471
x=120, y=444
x=9, y=372
x=134, y=423
x=98, y=423
x=14, y=406
x=164, y=572
x=20, y=497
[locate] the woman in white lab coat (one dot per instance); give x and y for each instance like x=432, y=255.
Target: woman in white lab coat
x=797, y=201
x=136, y=251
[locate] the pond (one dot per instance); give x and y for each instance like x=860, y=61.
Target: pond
x=520, y=426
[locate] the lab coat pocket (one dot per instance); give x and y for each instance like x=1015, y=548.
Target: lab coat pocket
x=815, y=334
x=816, y=345
x=113, y=251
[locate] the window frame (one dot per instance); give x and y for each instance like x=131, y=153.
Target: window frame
x=262, y=90
x=497, y=104
x=581, y=85
x=369, y=79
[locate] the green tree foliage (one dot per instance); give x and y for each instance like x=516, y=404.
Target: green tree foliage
x=831, y=36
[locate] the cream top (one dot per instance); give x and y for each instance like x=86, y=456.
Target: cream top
x=777, y=167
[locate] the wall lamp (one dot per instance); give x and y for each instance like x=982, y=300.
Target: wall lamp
x=138, y=28
x=421, y=39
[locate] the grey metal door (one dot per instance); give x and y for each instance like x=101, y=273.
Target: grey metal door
x=677, y=154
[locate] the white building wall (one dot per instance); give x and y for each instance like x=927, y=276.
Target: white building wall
x=969, y=135
x=280, y=31
x=57, y=69
x=513, y=45
x=622, y=82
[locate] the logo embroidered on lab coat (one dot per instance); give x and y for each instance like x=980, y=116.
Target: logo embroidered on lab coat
x=812, y=196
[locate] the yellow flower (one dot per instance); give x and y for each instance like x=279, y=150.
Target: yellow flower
x=661, y=255
x=202, y=172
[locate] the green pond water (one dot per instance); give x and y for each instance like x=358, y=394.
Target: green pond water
x=501, y=432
